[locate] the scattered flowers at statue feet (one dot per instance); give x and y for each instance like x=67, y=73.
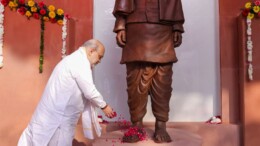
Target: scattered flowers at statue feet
x=214, y=120
x=114, y=115
x=125, y=126
x=135, y=132
x=122, y=123
x=102, y=121
x=251, y=9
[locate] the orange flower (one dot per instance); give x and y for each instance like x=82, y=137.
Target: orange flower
x=52, y=14
x=60, y=12
x=12, y=4
x=250, y=15
x=31, y=3
x=46, y=18
x=51, y=8
x=28, y=14
x=248, y=5
x=33, y=9
x=60, y=22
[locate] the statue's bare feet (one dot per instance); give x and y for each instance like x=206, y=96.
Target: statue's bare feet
x=134, y=133
x=130, y=138
x=160, y=134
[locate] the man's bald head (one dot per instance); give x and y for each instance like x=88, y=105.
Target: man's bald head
x=95, y=51
x=94, y=44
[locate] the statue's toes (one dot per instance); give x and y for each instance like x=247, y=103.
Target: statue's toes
x=130, y=139
x=162, y=137
x=166, y=138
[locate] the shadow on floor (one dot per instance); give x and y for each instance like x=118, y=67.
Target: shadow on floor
x=77, y=143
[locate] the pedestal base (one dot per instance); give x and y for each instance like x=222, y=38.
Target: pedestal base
x=180, y=138
x=182, y=133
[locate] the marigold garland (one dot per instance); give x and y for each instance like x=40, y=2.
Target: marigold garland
x=250, y=11
x=38, y=10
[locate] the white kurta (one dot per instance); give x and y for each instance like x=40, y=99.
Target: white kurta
x=69, y=92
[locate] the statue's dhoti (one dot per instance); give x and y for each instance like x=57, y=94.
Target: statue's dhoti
x=152, y=79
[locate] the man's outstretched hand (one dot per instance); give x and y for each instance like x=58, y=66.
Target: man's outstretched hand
x=108, y=111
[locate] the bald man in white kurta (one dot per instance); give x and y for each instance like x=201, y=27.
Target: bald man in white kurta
x=69, y=92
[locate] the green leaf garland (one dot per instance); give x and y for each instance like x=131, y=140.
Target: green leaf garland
x=41, y=59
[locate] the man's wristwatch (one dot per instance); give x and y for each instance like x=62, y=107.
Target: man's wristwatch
x=104, y=106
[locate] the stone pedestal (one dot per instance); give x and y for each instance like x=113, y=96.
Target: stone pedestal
x=180, y=138
x=182, y=133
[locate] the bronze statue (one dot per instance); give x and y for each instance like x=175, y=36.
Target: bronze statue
x=148, y=31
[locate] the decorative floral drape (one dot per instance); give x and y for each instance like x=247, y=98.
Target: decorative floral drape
x=36, y=10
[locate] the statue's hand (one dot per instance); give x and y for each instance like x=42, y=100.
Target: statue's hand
x=121, y=38
x=177, y=38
